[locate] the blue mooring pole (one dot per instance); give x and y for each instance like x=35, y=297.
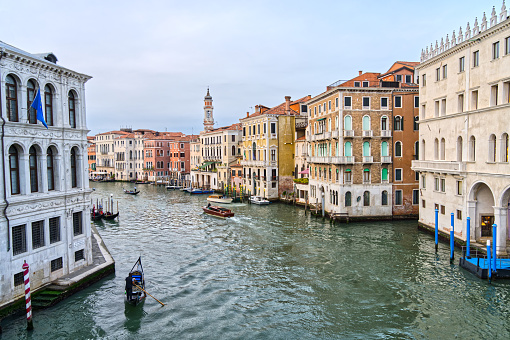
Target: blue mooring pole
x=494, y=246
x=436, y=228
x=489, y=260
x=452, y=245
x=468, y=243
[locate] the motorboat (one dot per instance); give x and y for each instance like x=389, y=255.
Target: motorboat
x=258, y=200
x=217, y=211
x=219, y=199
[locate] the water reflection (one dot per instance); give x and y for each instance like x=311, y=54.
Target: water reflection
x=134, y=316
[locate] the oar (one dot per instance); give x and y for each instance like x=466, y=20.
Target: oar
x=148, y=294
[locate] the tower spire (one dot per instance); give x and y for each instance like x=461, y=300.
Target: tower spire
x=208, y=112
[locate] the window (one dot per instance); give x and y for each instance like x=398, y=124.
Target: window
x=442, y=210
x=443, y=185
x=461, y=64
x=461, y=103
x=507, y=45
x=416, y=101
x=476, y=58
x=366, y=102
x=398, y=197
x=72, y=110
x=19, y=279
x=348, y=176
x=494, y=95
x=492, y=148
x=398, y=123
x=408, y=79
x=398, y=101
x=54, y=229
x=423, y=203
x=48, y=105
x=459, y=187
x=472, y=148
x=37, y=234
x=424, y=80
x=416, y=125
x=384, y=198
x=423, y=182
x=384, y=123
x=445, y=74
x=77, y=223
x=398, y=174
x=56, y=264
x=365, y=84
x=78, y=255
x=329, y=105
x=398, y=149
x=384, y=174
x=74, y=178
x=495, y=50
x=19, y=239
x=348, y=123
x=416, y=196
x=273, y=127
x=11, y=98
x=32, y=113
x=438, y=74
x=366, y=176
x=347, y=101
x=348, y=199
x=366, y=198
x=443, y=107
x=32, y=160
x=365, y=123
x=357, y=84
x=384, y=103
x=459, y=214
x=474, y=100
x=14, y=170
x=398, y=77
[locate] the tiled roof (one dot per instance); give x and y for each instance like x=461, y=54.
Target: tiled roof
x=113, y=133
x=279, y=109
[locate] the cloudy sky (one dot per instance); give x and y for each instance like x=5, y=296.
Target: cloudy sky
x=152, y=61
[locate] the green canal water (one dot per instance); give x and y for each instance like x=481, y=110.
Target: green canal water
x=270, y=272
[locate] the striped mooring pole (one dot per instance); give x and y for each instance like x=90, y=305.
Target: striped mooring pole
x=28, y=302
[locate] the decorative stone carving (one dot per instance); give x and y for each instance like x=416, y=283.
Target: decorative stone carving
x=436, y=49
x=454, y=39
x=441, y=47
x=502, y=15
x=12, y=210
x=447, y=43
x=476, y=28
x=33, y=132
x=468, y=32
x=484, y=22
x=494, y=17
x=461, y=36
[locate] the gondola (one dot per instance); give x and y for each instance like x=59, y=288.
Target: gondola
x=137, y=295
x=132, y=192
x=96, y=216
x=110, y=216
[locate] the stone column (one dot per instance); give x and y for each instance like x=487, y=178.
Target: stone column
x=475, y=223
x=500, y=219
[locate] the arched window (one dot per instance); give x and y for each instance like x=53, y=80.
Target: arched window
x=348, y=199
x=11, y=98
x=384, y=174
x=416, y=150
x=347, y=123
x=14, y=170
x=398, y=149
x=472, y=148
x=366, y=123
x=74, y=175
x=384, y=149
x=398, y=123
x=492, y=148
x=436, y=149
x=254, y=147
x=384, y=198
x=32, y=113
x=366, y=198
x=422, y=150
x=32, y=160
x=348, y=149
x=48, y=105
x=233, y=150
x=442, y=149
x=72, y=110
x=459, y=149
x=50, y=169
x=384, y=123
x=366, y=149
x=504, y=148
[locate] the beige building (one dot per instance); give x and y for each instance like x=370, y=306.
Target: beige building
x=464, y=131
x=105, y=153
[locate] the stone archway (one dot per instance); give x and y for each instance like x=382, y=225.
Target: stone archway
x=481, y=210
x=504, y=204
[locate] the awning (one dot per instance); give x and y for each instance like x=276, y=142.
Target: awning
x=320, y=119
x=205, y=165
x=305, y=172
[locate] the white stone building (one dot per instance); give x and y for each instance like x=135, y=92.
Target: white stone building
x=105, y=153
x=464, y=143
x=45, y=194
x=129, y=156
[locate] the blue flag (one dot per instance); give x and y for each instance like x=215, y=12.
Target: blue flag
x=37, y=105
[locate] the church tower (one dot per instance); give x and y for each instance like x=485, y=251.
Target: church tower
x=208, y=112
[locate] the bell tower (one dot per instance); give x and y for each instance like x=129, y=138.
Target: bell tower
x=208, y=112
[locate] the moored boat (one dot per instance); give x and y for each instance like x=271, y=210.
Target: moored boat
x=110, y=216
x=219, y=199
x=217, y=211
x=132, y=192
x=201, y=191
x=258, y=200
x=135, y=284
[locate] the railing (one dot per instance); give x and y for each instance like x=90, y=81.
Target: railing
x=334, y=134
x=442, y=166
x=327, y=135
x=385, y=159
x=368, y=159
x=322, y=160
x=348, y=133
x=385, y=133
x=347, y=159
x=367, y=133
x=273, y=136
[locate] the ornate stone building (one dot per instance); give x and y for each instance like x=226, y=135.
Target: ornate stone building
x=45, y=193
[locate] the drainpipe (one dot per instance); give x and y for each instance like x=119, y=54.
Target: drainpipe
x=3, y=163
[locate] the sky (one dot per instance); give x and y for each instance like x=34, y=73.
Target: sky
x=152, y=61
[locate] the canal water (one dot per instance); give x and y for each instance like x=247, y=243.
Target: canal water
x=270, y=272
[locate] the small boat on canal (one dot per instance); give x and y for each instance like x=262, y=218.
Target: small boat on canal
x=201, y=191
x=217, y=211
x=110, y=216
x=219, y=199
x=258, y=200
x=96, y=214
x=137, y=280
x=132, y=192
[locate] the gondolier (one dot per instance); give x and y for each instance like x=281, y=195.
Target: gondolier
x=129, y=286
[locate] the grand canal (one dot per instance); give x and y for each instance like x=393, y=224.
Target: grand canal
x=271, y=272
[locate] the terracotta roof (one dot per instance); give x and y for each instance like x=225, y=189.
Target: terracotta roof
x=372, y=77
x=301, y=138
x=279, y=109
x=113, y=133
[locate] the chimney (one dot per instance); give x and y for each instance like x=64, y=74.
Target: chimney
x=247, y=114
x=360, y=73
x=257, y=108
x=287, y=105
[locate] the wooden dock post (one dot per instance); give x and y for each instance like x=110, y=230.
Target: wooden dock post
x=28, y=302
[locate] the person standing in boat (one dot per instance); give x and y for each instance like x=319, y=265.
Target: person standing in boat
x=129, y=286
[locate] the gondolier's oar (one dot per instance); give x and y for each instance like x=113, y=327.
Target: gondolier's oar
x=148, y=293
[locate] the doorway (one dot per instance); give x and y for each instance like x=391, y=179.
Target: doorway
x=486, y=223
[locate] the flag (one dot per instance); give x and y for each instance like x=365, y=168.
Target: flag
x=37, y=105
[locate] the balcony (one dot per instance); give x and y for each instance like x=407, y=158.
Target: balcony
x=273, y=136
x=348, y=133
x=368, y=159
x=252, y=163
x=327, y=135
x=347, y=159
x=385, y=159
x=367, y=133
x=334, y=134
x=386, y=133
x=446, y=167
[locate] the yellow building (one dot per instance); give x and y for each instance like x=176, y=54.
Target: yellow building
x=268, y=148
